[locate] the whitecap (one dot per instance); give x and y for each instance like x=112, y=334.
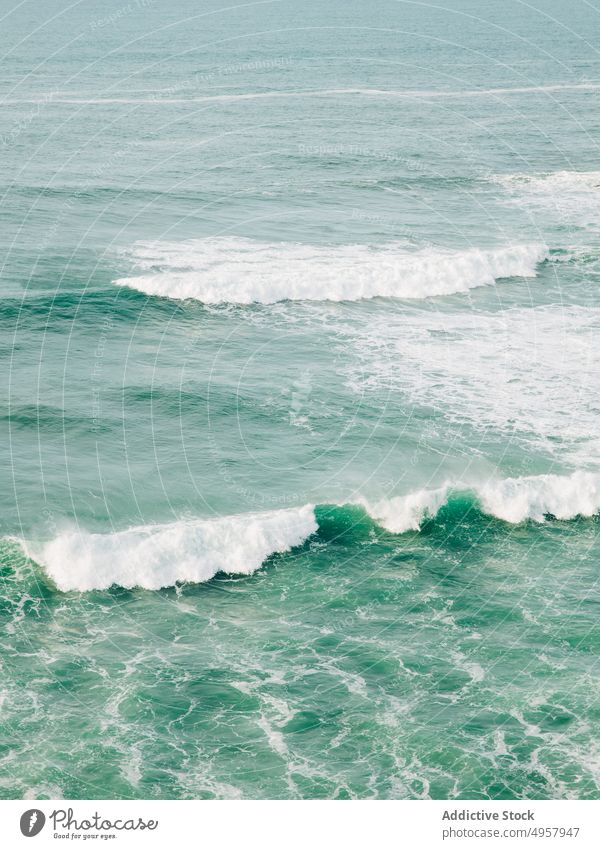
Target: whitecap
x=155, y=556
x=243, y=271
x=513, y=499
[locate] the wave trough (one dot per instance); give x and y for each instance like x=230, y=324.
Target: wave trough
x=243, y=271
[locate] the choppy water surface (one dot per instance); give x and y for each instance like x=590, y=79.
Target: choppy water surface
x=299, y=318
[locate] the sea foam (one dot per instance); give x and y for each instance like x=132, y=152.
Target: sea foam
x=562, y=496
x=243, y=271
x=531, y=375
x=195, y=550
x=513, y=500
x=155, y=556
x=570, y=197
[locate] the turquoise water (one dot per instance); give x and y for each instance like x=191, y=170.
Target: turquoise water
x=301, y=466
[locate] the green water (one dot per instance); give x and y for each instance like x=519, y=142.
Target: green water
x=298, y=332
x=457, y=662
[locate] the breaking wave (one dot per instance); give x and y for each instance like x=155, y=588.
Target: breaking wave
x=243, y=271
x=157, y=556
x=514, y=500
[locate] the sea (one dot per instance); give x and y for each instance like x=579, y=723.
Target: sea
x=300, y=399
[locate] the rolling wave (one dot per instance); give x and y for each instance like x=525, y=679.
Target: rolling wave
x=243, y=271
x=157, y=556
x=513, y=500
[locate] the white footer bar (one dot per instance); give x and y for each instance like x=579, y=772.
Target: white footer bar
x=306, y=824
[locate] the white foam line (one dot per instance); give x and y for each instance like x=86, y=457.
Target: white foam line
x=368, y=92
x=244, y=271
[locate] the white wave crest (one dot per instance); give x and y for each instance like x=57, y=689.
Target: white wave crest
x=155, y=556
x=513, y=500
x=407, y=512
x=562, y=496
x=243, y=271
x=194, y=550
